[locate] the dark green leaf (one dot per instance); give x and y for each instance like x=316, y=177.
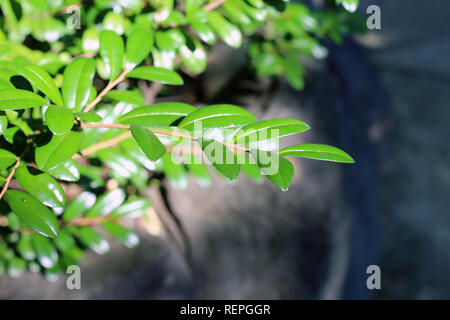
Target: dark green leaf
x=40, y=185
x=59, y=119
x=318, y=152
x=157, y=74
x=59, y=149
x=277, y=169
x=16, y=99
x=33, y=213
x=149, y=143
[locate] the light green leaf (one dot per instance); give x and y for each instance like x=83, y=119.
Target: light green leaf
x=128, y=238
x=157, y=115
x=276, y=168
x=175, y=173
x=132, y=97
x=229, y=33
x=45, y=251
x=33, y=213
x=111, y=51
x=16, y=267
x=218, y=116
x=16, y=99
x=139, y=45
x=132, y=208
x=93, y=240
x=78, y=206
x=349, y=5
x=204, y=32
x=25, y=247
x=149, y=143
x=59, y=149
x=42, y=80
x=157, y=74
x=66, y=171
x=107, y=203
x=198, y=169
x=169, y=40
x=7, y=158
x=317, y=152
x=88, y=116
x=59, y=119
x=222, y=158
x=3, y=124
x=77, y=83
x=194, y=58
x=41, y=186
x=267, y=129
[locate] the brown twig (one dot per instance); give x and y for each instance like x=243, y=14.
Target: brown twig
x=110, y=85
x=13, y=170
x=213, y=5
x=163, y=132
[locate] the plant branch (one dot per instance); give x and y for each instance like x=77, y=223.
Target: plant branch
x=108, y=88
x=213, y=5
x=163, y=132
x=13, y=170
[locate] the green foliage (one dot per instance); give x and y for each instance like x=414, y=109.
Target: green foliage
x=72, y=113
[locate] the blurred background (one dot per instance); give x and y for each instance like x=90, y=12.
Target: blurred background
x=383, y=97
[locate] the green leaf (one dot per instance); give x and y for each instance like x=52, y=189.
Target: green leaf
x=16, y=99
x=10, y=133
x=222, y=158
x=33, y=213
x=25, y=247
x=45, y=251
x=77, y=83
x=59, y=119
x=88, y=116
x=149, y=143
x=169, y=40
x=78, y=206
x=277, y=169
x=65, y=241
x=249, y=167
x=175, y=173
x=194, y=58
x=349, y=5
x=139, y=45
x=217, y=116
x=198, y=169
x=268, y=129
x=16, y=267
x=128, y=238
x=66, y=171
x=157, y=74
x=132, y=208
x=3, y=124
x=107, y=203
x=204, y=32
x=229, y=33
x=111, y=51
x=93, y=240
x=6, y=158
x=157, y=115
x=41, y=186
x=132, y=97
x=59, y=149
x=42, y=80
x=318, y=152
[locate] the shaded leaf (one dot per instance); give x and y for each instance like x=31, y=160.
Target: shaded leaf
x=221, y=158
x=149, y=143
x=128, y=238
x=7, y=158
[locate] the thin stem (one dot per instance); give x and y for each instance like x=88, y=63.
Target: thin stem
x=213, y=5
x=110, y=85
x=164, y=132
x=104, y=144
x=13, y=170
